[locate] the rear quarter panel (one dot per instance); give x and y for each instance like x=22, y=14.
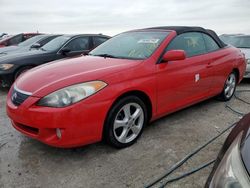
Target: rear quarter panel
x=224, y=61
x=241, y=64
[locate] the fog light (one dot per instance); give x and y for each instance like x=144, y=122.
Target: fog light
x=58, y=133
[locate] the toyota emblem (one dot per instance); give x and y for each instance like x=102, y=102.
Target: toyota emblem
x=14, y=96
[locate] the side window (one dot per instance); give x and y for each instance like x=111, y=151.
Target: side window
x=15, y=40
x=192, y=43
x=79, y=44
x=210, y=43
x=98, y=40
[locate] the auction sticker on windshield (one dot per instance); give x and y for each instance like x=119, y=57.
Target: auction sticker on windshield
x=152, y=41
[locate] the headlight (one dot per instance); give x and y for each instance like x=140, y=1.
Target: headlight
x=72, y=94
x=231, y=171
x=5, y=66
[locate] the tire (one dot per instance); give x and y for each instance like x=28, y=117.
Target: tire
x=122, y=129
x=21, y=71
x=229, y=87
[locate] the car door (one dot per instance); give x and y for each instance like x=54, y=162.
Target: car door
x=181, y=83
x=77, y=46
x=218, y=68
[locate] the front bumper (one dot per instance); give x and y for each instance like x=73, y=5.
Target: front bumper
x=80, y=124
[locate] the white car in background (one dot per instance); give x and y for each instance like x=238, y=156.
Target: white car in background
x=243, y=43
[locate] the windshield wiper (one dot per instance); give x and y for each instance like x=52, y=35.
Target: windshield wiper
x=104, y=55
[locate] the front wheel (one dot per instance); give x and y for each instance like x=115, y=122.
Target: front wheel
x=125, y=122
x=229, y=87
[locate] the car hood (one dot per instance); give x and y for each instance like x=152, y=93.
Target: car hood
x=48, y=78
x=7, y=49
x=19, y=50
x=246, y=51
x=18, y=58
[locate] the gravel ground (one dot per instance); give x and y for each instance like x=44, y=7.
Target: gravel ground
x=26, y=162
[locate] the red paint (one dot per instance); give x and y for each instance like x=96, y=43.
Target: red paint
x=170, y=86
x=174, y=55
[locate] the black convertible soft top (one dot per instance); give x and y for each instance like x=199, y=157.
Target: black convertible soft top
x=183, y=29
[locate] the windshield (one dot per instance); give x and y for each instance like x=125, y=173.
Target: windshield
x=237, y=41
x=31, y=40
x=131, y=45
x=56, y=43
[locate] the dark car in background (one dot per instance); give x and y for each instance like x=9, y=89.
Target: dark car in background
x=243, y=43
x=29, y=44
x=65, y=46
x=16, y=39
x=232, y=167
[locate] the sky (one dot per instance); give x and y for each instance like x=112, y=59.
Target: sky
x=115, y=16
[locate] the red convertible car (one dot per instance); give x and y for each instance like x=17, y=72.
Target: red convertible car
x=125, y=83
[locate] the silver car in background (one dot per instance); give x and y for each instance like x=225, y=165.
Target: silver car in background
x=243, y=43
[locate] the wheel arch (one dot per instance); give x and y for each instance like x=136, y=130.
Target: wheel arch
x=236, y=70
x=140, y=94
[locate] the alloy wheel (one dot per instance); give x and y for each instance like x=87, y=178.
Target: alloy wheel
x=128, y=123
x=230, y=86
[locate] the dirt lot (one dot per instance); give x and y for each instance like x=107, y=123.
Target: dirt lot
x=28, y=163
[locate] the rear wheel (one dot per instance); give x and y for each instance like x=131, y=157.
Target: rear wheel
x=125, y=122
x=229, y=87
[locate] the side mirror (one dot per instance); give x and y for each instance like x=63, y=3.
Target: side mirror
x=64, y=51
x=36, y=45
x=174, y=55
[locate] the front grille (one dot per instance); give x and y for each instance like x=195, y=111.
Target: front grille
x=17, y=97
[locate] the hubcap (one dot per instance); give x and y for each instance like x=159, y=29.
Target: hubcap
x=230, y=86
x=128, y=123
